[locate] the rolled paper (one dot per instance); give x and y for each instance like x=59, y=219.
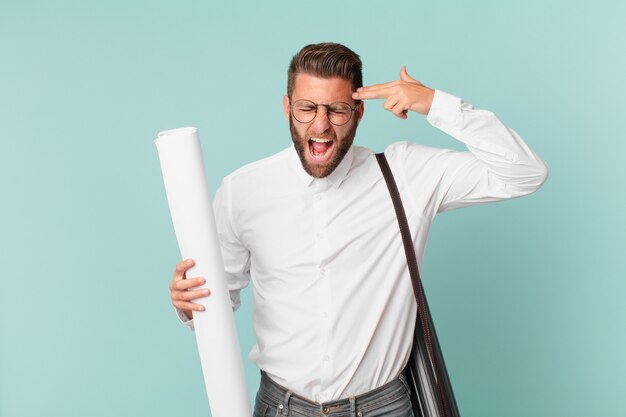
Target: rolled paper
x=189, y=201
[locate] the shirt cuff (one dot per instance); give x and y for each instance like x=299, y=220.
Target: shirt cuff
x=445, y=110
x=184, y=319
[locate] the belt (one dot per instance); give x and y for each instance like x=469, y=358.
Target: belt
x=273, y=395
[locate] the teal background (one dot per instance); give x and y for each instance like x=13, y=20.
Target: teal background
x=527, y=295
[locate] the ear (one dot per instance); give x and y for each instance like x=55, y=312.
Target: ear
x=359, y=111
x=286, y=107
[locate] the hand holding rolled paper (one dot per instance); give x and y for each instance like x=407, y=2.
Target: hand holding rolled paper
x=183, y=290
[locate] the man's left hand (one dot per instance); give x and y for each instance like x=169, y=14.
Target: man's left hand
x=401, y=96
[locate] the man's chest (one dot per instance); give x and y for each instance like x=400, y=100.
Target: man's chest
x=300, y=230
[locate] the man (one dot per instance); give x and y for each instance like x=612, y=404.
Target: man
x=314, y=228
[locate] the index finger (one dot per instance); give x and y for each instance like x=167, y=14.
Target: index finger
x=378, y=86
x=365, y=95
x=374, y=91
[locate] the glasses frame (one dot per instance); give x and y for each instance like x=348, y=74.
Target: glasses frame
x=317, y=106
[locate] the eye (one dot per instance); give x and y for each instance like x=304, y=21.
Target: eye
x=339, y=109
x=304, y=106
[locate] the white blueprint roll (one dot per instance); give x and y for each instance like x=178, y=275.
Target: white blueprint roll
x=190, y=206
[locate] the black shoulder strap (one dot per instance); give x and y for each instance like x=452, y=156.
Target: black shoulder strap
x=409, y=250
x=432, y=381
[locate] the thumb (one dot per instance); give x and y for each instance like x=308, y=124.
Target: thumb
x=404, y=76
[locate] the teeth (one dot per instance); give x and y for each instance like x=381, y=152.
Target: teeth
x=320, y=140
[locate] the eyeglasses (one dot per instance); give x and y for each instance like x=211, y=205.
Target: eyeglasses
x=338, y=113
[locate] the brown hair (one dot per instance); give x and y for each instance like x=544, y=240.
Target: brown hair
x=325, y=60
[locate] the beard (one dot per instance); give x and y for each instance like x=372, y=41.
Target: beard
x=343, y=144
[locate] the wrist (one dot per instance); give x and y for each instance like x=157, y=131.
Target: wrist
x=429, y=100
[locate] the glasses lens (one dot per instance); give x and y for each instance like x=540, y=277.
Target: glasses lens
x=304, y=110
x=339, y=113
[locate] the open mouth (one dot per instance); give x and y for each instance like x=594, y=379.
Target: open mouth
x=321, y=149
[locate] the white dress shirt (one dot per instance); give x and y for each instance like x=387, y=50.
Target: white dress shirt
x=334, y=311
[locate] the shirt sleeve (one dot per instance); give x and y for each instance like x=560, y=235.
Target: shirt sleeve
x=235, y=255
x=184, y=319
x=498, y=164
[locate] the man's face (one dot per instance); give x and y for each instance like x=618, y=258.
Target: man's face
x=321, y=145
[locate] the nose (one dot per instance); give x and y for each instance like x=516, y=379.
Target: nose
x=321, y=122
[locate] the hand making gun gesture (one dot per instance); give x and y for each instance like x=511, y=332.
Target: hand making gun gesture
x=401, y=95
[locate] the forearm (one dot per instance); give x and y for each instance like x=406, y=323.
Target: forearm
x=502, y=152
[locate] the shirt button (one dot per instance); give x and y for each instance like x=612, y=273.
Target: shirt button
x=326, y=358
x=318, y=196
x=322, y=271
x=320, y=236
x=325, y=315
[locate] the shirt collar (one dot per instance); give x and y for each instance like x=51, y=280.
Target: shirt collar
x=335, y=178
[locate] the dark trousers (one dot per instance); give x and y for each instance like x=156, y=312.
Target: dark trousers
x=391, y=400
